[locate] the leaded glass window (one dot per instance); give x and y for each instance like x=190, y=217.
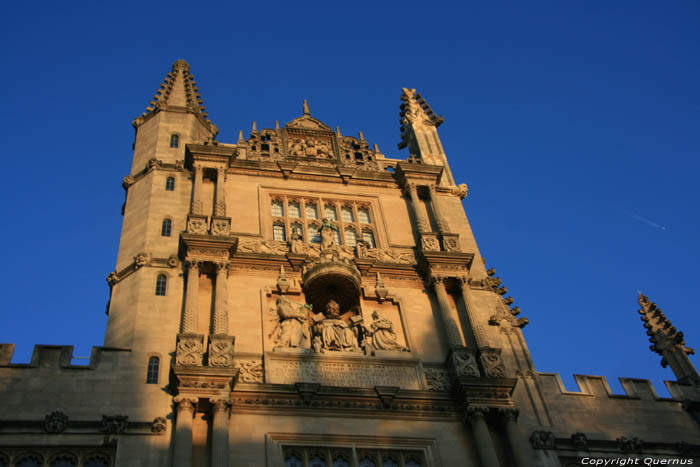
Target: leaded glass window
x=170, y=184
x=350, y=237
x=314, y=234
x=152, y=371
x=174, y=141
x=277, y=208
x=331, y=213
x=294, y=210
x=311, y=211
x=161, y=283
x=363, y=216
x=278, y=233
x=368, y=237
x=166, y=228
x=346, y=212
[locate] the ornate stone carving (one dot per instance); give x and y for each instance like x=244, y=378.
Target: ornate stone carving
x=221, y=351
x=268, y=247
x=220, y=404
x=250, y=371
x=282, y=281
x=474, y=413
x=580, y=441
x=429, y=243
x=464, y=363
x=190, y=350
x=142, y=259
x=127, y=181
x=159, y=425
x=492, y=363
x=310, y=147
x=186, y=403
x=327, y=235
x=112, y=278
x=197, y=225
x=173, y=261
x=543, y=440
x=293, y=326
x=220, y=226
x=114, y=424
x=362, y=250
x=633, y=444
x=333, y=332
x=380, y=289
x=382, y=335
x=296, y=243
x=504, y=316
x=460, y=190
x=450, y=243
x=180, y=166
x=437, y=379
x=220, y=208
x=56, y=422
x=154, y=164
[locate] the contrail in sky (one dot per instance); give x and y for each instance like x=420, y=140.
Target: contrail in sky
x=645, y=220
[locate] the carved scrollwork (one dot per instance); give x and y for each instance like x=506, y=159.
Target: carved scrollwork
x=437, y=379
x=429, y=243
x=250, y=371
x=464, y=363
x=492, y=363
x=221, y=351
x=190, y=350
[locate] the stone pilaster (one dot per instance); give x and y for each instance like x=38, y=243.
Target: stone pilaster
x=220, y=306
x=185, y=408
x=448, y=315
x=189, y=320
x=219, y=433
x=476, y=416
x=516, y=441
x=411, y=190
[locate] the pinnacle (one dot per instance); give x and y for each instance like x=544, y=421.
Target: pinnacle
x=306, y=108
x=178, y=91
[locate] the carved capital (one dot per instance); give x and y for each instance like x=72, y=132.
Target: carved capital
x=220, y=404
x=192, y=264
x=222, y=267
x=475, y=414
x=186, y=403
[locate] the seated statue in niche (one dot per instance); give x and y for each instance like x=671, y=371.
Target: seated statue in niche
x=327, y=234
x=333, y=332
x=292, y=329
x=383, y=335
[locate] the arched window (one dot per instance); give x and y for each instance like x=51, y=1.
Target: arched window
x=278, y=233
x=346, y=213
x=161, y=283
x=341, y=461
x=174, y=141
x=363, y=215
x=294, y=210
x=166, y=227
x=170, y=184
x=336, y=235
x=368, y=237
x=96, y=461
x=152, y=371
x=277, y=208
x=292, y=461
x=350, y=237
x=311, y=212
x=63, y=461
x=314, y=234
x=330, y=213
x=29, y=460
x=367, y=461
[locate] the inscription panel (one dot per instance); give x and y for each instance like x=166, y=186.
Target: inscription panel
x=338, y=371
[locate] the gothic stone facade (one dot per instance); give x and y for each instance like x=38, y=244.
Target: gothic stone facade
x=300, y=299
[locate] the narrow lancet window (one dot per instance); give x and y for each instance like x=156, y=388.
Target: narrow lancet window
x=161, y=283
x=174, y=141
x=152, y=371
x=170, y=184
x=166, y=228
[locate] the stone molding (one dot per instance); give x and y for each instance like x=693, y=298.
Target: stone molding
x=69, y=426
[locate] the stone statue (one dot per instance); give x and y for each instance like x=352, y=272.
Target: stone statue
x=296, y=244
x=362, y=249
x=334, y=332
x=327, y=234
x=383, y=335
x=292, y=330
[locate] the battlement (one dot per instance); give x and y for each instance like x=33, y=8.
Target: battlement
x=58, y=357
x=597, y=386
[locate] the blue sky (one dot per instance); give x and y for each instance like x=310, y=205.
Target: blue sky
x=575, y=125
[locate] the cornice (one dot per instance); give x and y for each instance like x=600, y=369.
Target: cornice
x=407, y=172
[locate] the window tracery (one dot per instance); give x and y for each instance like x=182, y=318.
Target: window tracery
x=303, y=456
x=152, y=370
x=293, y=212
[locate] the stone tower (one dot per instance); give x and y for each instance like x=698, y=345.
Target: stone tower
x=301, y=299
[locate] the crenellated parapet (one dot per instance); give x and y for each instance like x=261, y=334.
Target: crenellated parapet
x=59, y=357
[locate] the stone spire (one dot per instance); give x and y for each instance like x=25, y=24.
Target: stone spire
x=667, y=342
x=178, y=92
x=419, y=133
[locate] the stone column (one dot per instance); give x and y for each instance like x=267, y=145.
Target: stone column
x=220, y=310
x=189, y=321
x=484, y=444
x=448, y=316
x=219, y=444
x=182, y=455
x=480, y=339
x=220, y=207
x=412, y=192
x=441, y=221
x=515, y=437
x=197, y=175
